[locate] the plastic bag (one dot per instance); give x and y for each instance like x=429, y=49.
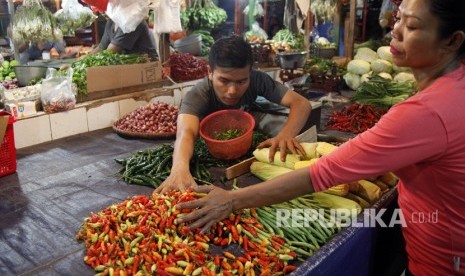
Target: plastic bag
x=98, y=5
x=33, y=23
x=74, y=16
x=56, y=92
x=256, y=34
x=385, y=14
x=127, y=15
x=167, y=17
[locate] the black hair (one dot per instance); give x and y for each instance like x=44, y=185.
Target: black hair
x=451, y=15
x=230, y=52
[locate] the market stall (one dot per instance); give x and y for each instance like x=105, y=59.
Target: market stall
x=54, y=206
x=58, y=184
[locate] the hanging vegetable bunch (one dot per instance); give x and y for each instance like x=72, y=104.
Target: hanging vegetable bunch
x=34, y=23
x=74, y=16
x=255, y=8
x=285, y=39
x=202, y=15
x=324, y=10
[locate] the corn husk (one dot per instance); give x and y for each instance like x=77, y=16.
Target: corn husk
x=305, y=163
x=362, y=202
x=263, y=156
x=369, y=191
x=266, y=171
x=342, y=205
x=310, y=150
x=324, y=148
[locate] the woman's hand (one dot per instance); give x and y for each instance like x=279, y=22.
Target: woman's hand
x=180, y=181
x=283, y=144
x=210, y=209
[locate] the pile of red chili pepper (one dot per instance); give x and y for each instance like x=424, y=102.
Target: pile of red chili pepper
x=355, y=118
x=186, y=67
x=139, y=237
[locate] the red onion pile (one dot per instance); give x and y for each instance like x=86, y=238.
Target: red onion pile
x=155, y=117
x=10, y=84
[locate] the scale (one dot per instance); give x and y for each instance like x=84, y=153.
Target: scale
x=289, y=74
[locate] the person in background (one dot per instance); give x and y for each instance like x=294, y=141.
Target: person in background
x=420, y=139
x=231, y=84
x=34, y=51
x=140, y=40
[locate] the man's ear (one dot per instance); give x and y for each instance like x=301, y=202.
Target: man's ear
x=210, y=73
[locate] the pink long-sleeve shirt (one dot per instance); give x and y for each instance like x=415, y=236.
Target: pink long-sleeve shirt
x=422, y=140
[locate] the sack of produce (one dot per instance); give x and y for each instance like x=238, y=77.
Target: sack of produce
x=34, y=23
x=73, y=16
x=57, y=92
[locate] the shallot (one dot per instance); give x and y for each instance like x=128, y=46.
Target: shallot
x=155, y=117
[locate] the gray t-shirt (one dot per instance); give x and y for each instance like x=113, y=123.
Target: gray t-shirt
x=140, y=41
x=201, y=99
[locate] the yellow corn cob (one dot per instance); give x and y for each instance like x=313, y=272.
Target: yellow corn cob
x=383, y=186
x=324, y=148
x=368, y=191
x=341, y=204
x=362, y=202
x=354, y=186
x=266, y=171
x=263, y=156
x=389, y=178
x=339, y=190
x=305, y=163
x=310, y=150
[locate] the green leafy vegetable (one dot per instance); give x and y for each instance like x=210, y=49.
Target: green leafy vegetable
x=103, y=58
x=229, y=134
x=383, y=92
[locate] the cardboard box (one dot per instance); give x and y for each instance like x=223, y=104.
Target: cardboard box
x=103, y=78
x=23, y=109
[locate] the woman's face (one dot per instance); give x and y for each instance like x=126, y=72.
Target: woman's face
x=415, y=41
x=230, y=84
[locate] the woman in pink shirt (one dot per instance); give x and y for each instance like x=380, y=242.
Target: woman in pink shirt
x=422, y=140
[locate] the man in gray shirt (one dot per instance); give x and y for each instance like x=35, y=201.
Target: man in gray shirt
x=231, y=84
x=139, y=41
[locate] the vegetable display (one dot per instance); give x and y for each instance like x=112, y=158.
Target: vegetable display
x=74, y=16
x=156, y=117
x=355, y=118
x=368, y=63
x=34, y=23
x=286, y=37
x=152, y=166
x=383, y=92
x=202, y=15
x=139, y=236
x=229, y=134
x=344, y=200
x=185, y=67
x=103, y=58
x=324, y=10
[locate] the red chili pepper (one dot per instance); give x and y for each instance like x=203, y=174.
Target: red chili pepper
x=224, y=242
x=289, y=269
x=246, y=243
x=235, y=234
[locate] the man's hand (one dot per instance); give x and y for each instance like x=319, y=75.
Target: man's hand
x=283, y=144
x=177, y=181
x=212, y=208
